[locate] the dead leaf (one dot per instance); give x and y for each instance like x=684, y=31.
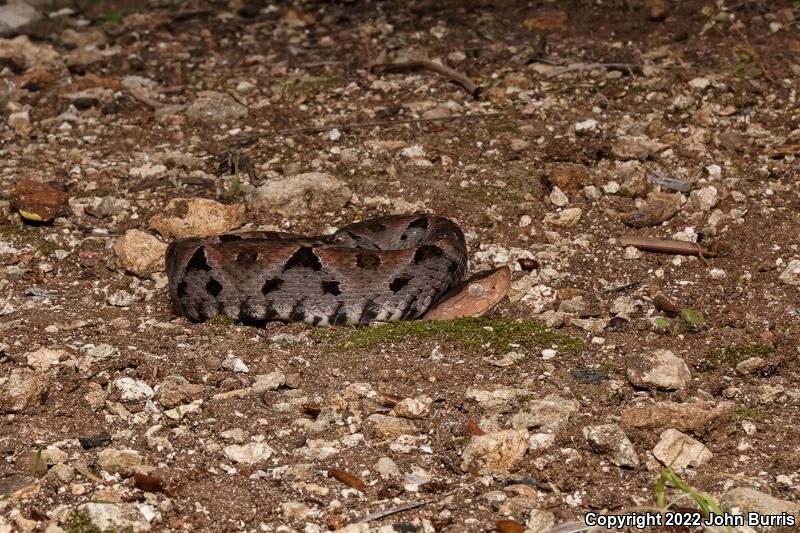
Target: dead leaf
x=390, y=400
x=509, y=526
x=348, y=479
x=651, y=214
x=474, y=297
x=475, y=429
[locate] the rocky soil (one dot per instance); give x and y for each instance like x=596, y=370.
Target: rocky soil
x=594, y=124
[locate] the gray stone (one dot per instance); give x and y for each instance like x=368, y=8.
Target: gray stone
x=679, y=451
x=250, y=453
x=498, y=452
x=215, y=108
x=610, y=439
x=15, y=15
x=116, y=516
x=301, y=195
x=661, y=370
x=22, y=389
x=748, y=500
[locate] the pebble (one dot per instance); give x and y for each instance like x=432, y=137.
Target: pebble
x=680, y=451
x=116, y=517
x=498, y=452
x=389, y=427
x=661, y=369
x=251, y=453
x=140, y=253
x=299, y=195
x=611, y=439
x=558, y=198
x=41, y=360
x=387, y=468
x=14, y=16
x=133, y=390
x=216, y=108
x=791, y=274
x=203, y=217
x=23, y=388
x=698, y=417
x=587, y=125
x=235, y=364
x=123, y=462
x=38, y=202
x=413, y=408
x=704, y=199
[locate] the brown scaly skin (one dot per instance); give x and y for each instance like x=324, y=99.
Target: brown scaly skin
x=385, y=269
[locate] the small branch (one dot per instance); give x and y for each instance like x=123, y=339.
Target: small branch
x=668, y=246
x=420, y=64
x=394, y=510
x=633, y=68
x=146, y=100
x=359, y=125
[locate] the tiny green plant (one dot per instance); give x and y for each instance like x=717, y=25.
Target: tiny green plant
x=705, y=501
x=692, y=318
x=36, y=462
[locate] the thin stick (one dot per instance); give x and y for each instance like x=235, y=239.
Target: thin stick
x=360, y=125
x=394, y=510
x=417, y=64
x=146, y=100
x=669, y=246
x=630, y=67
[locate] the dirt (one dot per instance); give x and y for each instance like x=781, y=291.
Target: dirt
x=693, y=75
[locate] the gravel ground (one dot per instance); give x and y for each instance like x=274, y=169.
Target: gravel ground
x=593, y=125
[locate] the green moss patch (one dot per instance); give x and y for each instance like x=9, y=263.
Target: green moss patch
x=733, y=355
x=489, y=335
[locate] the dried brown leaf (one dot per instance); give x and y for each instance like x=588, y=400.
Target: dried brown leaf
x=509, y=526
x=348, y=479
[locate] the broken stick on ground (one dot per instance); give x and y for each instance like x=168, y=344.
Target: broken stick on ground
x=419, y=64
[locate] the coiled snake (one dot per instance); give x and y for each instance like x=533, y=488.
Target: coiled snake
x=382, y=269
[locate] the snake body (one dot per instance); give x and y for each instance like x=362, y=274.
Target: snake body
x=381, y=269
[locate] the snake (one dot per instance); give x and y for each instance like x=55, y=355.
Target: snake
x=380, y=269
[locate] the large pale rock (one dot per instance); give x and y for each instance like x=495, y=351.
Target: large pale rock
x=548, y=413
x=15, y=15
x=41, y=360
x=495, y=452
x=250, y=453
x=791, y=276
x=697, y=417
x=661, y=370
x=748, y=500
x=140, y=252
x=22, y=389
x=215, y=108
x=203, y=217
x=123, y=462
x=678, y=450
x=116, y=516
x=301, y=195
x=22, y=54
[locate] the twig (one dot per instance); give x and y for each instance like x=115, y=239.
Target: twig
x=406, y=506
x=633, y=68
x=669, y=246
x=417, y=64
x=358, y=125
x=394, y=510
x=146, y=100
